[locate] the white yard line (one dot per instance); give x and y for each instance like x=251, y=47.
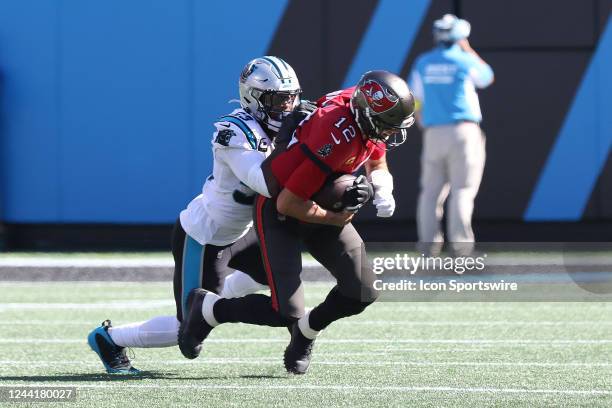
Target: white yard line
x=395, y=306
x=343, y=388
x=348, y=341
x=276, y=361
x=473, y=349
x=111, y=263
x=594, y=323
x=114, y=304
x=475, y=323
x=461, y=363
x=432, y=308
x=433, y=350
x=93, y=284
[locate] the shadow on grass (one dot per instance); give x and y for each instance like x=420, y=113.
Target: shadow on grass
x=93, y=377
x=264, y=376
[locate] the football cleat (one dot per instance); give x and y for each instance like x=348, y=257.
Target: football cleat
x=298, y=353
x=113, y=357
x=193, y=329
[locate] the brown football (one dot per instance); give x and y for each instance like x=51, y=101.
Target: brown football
x=330, y=195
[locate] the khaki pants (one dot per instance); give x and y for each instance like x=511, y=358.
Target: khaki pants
x=452, y=161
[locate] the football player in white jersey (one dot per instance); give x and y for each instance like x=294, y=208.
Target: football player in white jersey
x=213, y=235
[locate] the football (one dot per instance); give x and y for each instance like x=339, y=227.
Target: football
x=330, y=195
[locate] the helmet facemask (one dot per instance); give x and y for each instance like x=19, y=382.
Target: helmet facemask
x=274, y=106
x=269, y=90
x=374, y=127
x=379, y=131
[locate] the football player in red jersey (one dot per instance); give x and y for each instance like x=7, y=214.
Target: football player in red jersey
x=350, y=128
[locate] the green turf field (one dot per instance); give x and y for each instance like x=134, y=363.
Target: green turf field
x=394, y=354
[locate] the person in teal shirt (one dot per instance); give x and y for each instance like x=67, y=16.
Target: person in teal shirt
x=444, y=82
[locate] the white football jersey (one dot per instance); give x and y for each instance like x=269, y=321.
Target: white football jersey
x=223, y=212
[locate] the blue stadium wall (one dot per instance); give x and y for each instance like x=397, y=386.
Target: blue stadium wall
x=106, y=106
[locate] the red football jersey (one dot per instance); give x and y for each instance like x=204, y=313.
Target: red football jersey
x=328, y=141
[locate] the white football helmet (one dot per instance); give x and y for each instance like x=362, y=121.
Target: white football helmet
x=269, y=90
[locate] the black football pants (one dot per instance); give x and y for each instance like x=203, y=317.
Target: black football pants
x=206, y=266
x=339, y=250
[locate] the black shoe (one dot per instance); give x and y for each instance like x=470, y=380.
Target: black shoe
x=113, y=357
x=298, y=353
x=193, y=329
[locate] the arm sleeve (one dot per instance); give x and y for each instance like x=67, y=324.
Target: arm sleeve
x=480, y=72
x=246, y=165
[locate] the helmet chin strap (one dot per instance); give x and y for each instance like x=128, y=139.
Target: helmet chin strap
x=264, y=119
x=388, y=144
x=272, y=124
x=356, y=114
x=393, y=144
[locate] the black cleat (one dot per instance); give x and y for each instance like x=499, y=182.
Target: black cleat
x=298, y=353
x=193, y=329
x=113, y=357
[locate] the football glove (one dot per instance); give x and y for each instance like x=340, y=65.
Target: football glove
x=282, y=139
x=357, y=195
x=293, y=119
x=383, y=193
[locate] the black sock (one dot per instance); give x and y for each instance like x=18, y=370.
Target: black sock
x=334, y=307
x=252, y=309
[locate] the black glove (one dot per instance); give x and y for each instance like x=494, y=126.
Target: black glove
x=292, y=120
x=357, y=195
x=306, y=107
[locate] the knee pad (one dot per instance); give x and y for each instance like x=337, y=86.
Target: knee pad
x=239, y=284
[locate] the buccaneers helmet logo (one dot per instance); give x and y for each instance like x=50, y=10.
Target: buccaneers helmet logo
x=379, y=98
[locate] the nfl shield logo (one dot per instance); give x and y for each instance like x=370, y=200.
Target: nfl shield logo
x=325, y=150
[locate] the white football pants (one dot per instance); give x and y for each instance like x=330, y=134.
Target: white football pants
x=162, y=331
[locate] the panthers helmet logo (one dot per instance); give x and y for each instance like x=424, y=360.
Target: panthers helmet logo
x=378, y=98
x=247, y=71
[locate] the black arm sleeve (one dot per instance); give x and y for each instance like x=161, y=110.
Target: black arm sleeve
x=291, y=122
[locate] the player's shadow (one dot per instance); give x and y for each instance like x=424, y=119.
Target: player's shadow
x=263, y=376
x=93, y=377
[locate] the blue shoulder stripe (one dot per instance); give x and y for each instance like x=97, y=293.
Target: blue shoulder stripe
x=244, y=127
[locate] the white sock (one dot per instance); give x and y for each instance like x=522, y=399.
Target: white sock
x=304, y=326
x=239, y=284
x=207, y=308
x=161, y=331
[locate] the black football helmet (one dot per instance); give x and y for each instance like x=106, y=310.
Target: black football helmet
x=383, y=107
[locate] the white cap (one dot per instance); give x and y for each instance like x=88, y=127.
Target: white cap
x=450, y=29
